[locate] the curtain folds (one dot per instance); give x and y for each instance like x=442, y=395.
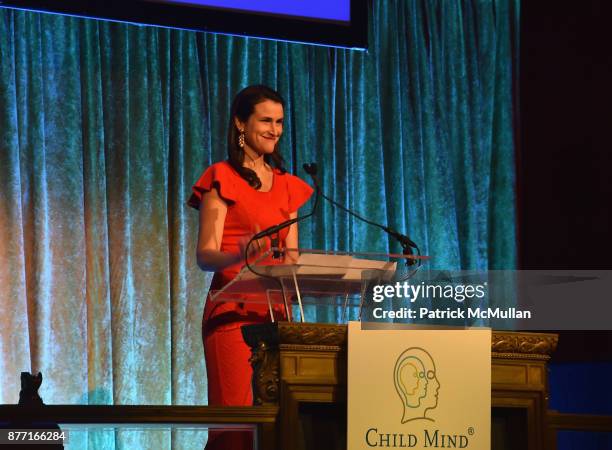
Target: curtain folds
x=105, y=126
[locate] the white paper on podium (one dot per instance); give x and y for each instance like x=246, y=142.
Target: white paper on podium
x=316, y=264
x=343, y=267
x=357, y=266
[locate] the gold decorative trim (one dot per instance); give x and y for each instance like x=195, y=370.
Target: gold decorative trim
x=312, y=334
x=265, y=361
x=332, y=335
x=519, y=356
x=534, y=344
x=316, y=348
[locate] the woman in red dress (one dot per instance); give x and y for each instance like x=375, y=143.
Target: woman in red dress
x=238, y=197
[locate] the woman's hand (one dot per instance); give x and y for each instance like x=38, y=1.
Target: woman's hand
x=213, y=210
x=256, y=248
x=291, y=241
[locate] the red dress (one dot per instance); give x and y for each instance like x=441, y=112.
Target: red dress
x=226, y=354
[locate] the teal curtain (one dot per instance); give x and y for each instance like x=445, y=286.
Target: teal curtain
x=105, y=126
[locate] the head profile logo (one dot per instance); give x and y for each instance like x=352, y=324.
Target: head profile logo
x=416, y=383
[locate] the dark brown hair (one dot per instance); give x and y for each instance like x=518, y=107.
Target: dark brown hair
x=242, y=108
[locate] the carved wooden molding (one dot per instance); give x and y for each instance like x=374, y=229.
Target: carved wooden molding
x=318, y=334
x=331, y=335
x=525, y=345
x=265, y=361
x=311, y=348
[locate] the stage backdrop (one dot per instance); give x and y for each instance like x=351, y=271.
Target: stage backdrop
x=105, y=126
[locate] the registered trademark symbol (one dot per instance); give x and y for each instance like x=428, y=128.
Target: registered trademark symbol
x=471, y=431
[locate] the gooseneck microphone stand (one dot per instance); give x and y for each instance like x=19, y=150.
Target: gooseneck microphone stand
x=273, y=233
x=407, y=244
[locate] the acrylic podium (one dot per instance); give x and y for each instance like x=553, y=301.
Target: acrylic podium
x=300, y=367
x=318, y=278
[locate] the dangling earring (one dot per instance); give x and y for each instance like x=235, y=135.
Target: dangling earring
x=241, y=139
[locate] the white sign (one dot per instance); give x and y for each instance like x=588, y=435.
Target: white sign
x=419, y=388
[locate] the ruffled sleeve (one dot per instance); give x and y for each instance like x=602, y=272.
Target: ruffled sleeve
x=217, y=176
x=299, y=192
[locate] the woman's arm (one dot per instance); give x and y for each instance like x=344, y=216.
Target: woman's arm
x=291, y=241
x=212, y=219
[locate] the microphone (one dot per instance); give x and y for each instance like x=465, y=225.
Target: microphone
x=276, y=228
x=401, y=238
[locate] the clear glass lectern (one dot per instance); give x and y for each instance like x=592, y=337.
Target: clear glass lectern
x=318, y=277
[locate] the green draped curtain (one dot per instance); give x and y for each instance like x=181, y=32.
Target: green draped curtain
x=105, y=126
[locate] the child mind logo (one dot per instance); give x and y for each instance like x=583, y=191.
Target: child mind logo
x=416, y=383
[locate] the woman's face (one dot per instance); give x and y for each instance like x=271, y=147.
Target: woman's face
x=263, y=128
